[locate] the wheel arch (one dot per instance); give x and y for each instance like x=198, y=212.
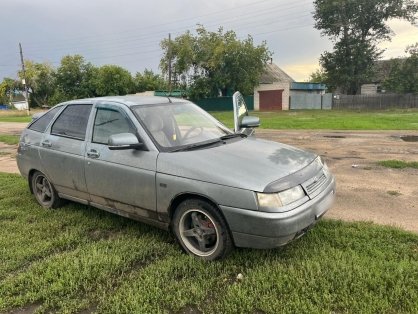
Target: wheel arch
x=179, y=198
x=30, y=175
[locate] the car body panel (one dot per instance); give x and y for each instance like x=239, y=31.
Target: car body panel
x=28, y=152
x=171, y=186
x=126, y=176
x=63, y=164
x=249, y=163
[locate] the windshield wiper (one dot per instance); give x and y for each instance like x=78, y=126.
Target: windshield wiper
x=204, y=144
x=197, y=145
x=106, y=122
x=233, y=135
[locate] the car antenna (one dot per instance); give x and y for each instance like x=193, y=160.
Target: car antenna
x=169, y=100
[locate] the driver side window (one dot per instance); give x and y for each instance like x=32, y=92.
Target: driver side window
x=108, y=122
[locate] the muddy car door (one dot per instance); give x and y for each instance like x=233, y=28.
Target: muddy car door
x=62, y=151
x=119, y=179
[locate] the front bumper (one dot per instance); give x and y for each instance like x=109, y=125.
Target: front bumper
x=262, y=230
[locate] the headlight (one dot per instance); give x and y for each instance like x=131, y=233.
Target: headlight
x=268, y=201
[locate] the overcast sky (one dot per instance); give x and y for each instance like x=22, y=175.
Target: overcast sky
x=128, y=32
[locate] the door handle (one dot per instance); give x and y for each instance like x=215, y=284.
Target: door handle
x=93, y=154
x=46, y=143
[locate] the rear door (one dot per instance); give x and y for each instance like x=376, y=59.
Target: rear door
x=119, y=179
x=62, y=151
x=30, y=141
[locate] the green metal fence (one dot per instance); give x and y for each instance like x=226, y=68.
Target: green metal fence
x=209, y=104
x=222, y=103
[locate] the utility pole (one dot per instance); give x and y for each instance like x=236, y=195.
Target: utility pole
x=24, y=78
x=169, y=63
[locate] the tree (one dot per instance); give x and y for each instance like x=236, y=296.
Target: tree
x=212, y=63
x=113, y=80
x=40, y=79
x=318, y=76
x=403, y=75
x=356, y=27
x=8, y=88
x=148, y=81
x=74, y=79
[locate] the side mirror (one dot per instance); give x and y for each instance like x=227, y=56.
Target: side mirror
x=250, y=122
x=123, y=141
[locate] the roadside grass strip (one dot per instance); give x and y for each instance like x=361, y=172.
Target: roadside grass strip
x=79, y=258
x=394, y=119
x=9, y=139
x=398, y=164
x=331, y=119
x=26, y=119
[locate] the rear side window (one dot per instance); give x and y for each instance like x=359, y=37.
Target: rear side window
x=42, y=123
x=72, y=122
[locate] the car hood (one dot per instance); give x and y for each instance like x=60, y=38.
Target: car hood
x=249, y=163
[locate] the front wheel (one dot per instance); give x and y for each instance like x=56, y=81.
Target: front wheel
x=44, y=191
x=201, y=230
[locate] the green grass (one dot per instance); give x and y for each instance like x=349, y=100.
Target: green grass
x=79, y=258
x=9, y=139
x=15, y=119
x=332, y=119
x=311, y=119
x=398, y=164
x=17, y=115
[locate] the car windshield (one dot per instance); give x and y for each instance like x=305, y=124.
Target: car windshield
x=180, y=125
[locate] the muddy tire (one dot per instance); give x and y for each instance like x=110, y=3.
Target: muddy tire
x=201, y=230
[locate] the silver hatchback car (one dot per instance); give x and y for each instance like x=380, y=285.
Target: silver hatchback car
x=167, y=162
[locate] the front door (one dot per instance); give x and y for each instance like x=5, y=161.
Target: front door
x=119, y=179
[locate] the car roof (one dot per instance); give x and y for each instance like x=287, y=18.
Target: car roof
x=130, y=100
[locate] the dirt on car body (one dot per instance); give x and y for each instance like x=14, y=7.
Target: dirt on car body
x=365, y=190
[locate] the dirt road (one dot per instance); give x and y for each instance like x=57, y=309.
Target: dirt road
x=365, y=191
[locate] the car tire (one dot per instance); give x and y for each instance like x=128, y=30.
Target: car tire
x=201, y=230
x=44, y=191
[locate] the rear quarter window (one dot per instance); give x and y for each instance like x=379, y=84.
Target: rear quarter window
x=72, y=122
x=42, y=123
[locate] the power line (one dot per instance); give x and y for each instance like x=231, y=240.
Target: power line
x=153, y=43
x=242, y=18
x=216, y=13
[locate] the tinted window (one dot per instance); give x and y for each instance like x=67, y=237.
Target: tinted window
x=42, y=123
x=72, y=122
x=109, y=122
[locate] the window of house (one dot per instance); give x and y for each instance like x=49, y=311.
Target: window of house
x=72, y=122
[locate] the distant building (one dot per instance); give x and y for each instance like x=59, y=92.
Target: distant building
x=20, y=105
x=381, y=71
x=278, y=91
x=274, y=89
x=19, y=102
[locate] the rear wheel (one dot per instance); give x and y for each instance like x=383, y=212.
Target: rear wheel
x=201, y=230
x=44, y=191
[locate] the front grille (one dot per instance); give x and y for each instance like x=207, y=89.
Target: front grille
x=315, y=184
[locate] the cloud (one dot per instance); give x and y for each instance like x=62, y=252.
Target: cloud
x=405, y=35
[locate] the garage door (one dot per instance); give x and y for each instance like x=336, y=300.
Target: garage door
x=271, y=100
